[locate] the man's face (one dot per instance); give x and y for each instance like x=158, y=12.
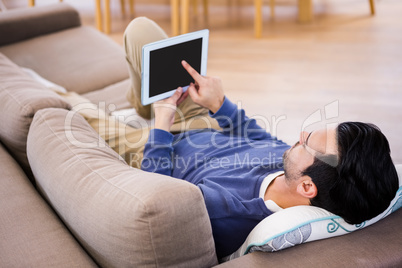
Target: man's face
x=310, y=145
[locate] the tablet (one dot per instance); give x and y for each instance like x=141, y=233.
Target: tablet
x=162, y=72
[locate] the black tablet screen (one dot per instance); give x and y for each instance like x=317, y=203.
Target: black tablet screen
x=166, y=72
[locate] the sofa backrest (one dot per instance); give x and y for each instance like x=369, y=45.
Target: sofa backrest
x=122, y=216
x=24, y=23
x=80, y=59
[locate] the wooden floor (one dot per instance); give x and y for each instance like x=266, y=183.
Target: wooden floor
x=345, y=65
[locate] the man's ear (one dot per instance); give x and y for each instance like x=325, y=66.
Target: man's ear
x=307, y=188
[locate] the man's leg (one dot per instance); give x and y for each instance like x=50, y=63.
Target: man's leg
x=140, y=32
x=128, y=142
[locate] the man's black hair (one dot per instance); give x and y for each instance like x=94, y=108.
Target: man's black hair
x=365, y=180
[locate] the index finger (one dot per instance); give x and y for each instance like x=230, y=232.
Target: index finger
x=191, y=71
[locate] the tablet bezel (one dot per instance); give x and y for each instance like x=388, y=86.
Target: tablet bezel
x=148, y=48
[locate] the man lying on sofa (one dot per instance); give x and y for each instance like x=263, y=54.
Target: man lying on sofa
x=244, y=173
x=243, y=177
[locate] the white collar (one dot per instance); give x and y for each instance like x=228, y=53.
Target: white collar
x=271, y=205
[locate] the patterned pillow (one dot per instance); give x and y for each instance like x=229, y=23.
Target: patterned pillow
x=301, y=224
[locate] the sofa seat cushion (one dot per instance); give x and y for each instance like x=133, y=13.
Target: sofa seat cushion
x=20, y=98
x=80, y=59
x=111, y=98
x=31, y=235
x=124, y=217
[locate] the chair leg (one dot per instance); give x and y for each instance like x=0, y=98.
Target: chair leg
x=98, y=15
x=123, y=7
x=206, y=10
x=272, y=7
x=258, y=18
x=175, y=16
x=305, y=11
x=372, y=8
x=195, y=7
x=108, y=21
x=132, y=7
x=185, y=18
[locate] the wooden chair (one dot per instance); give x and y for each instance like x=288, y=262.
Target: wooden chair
x=175, y=14
x=306, y=10
x=258, y=16
x=180, y=14
x=107, y=14
x=184, y=17
x=305, y=13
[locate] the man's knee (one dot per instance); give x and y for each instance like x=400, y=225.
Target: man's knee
x=137, y=25
x=142, y=31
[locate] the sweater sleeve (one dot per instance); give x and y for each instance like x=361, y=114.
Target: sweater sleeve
x=234, y=122
x=158, y=153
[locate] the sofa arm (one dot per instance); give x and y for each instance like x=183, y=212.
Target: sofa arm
x=24, y=23
x=377, y=245
x=123, y=217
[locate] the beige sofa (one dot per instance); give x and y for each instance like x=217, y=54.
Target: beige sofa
x=68, y=200
x=65, y=203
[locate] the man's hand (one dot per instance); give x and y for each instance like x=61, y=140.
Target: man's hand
x=207, y=91
x=166, y=109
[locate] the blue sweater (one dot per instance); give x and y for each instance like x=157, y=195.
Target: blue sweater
x=227, y=165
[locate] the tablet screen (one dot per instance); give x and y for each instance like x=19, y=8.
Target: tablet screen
x=165, y=69
x=162, y=71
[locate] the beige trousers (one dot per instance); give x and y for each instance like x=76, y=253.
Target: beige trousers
x=125, y=140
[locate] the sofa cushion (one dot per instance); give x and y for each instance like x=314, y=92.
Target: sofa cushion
x=124, y=217
x=24, y=23
x=112, y=98
x=79, y=59
x=20, y=98
x=31, y=235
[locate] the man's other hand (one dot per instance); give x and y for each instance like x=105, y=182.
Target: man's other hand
x=206, y=91
x=166, y=109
